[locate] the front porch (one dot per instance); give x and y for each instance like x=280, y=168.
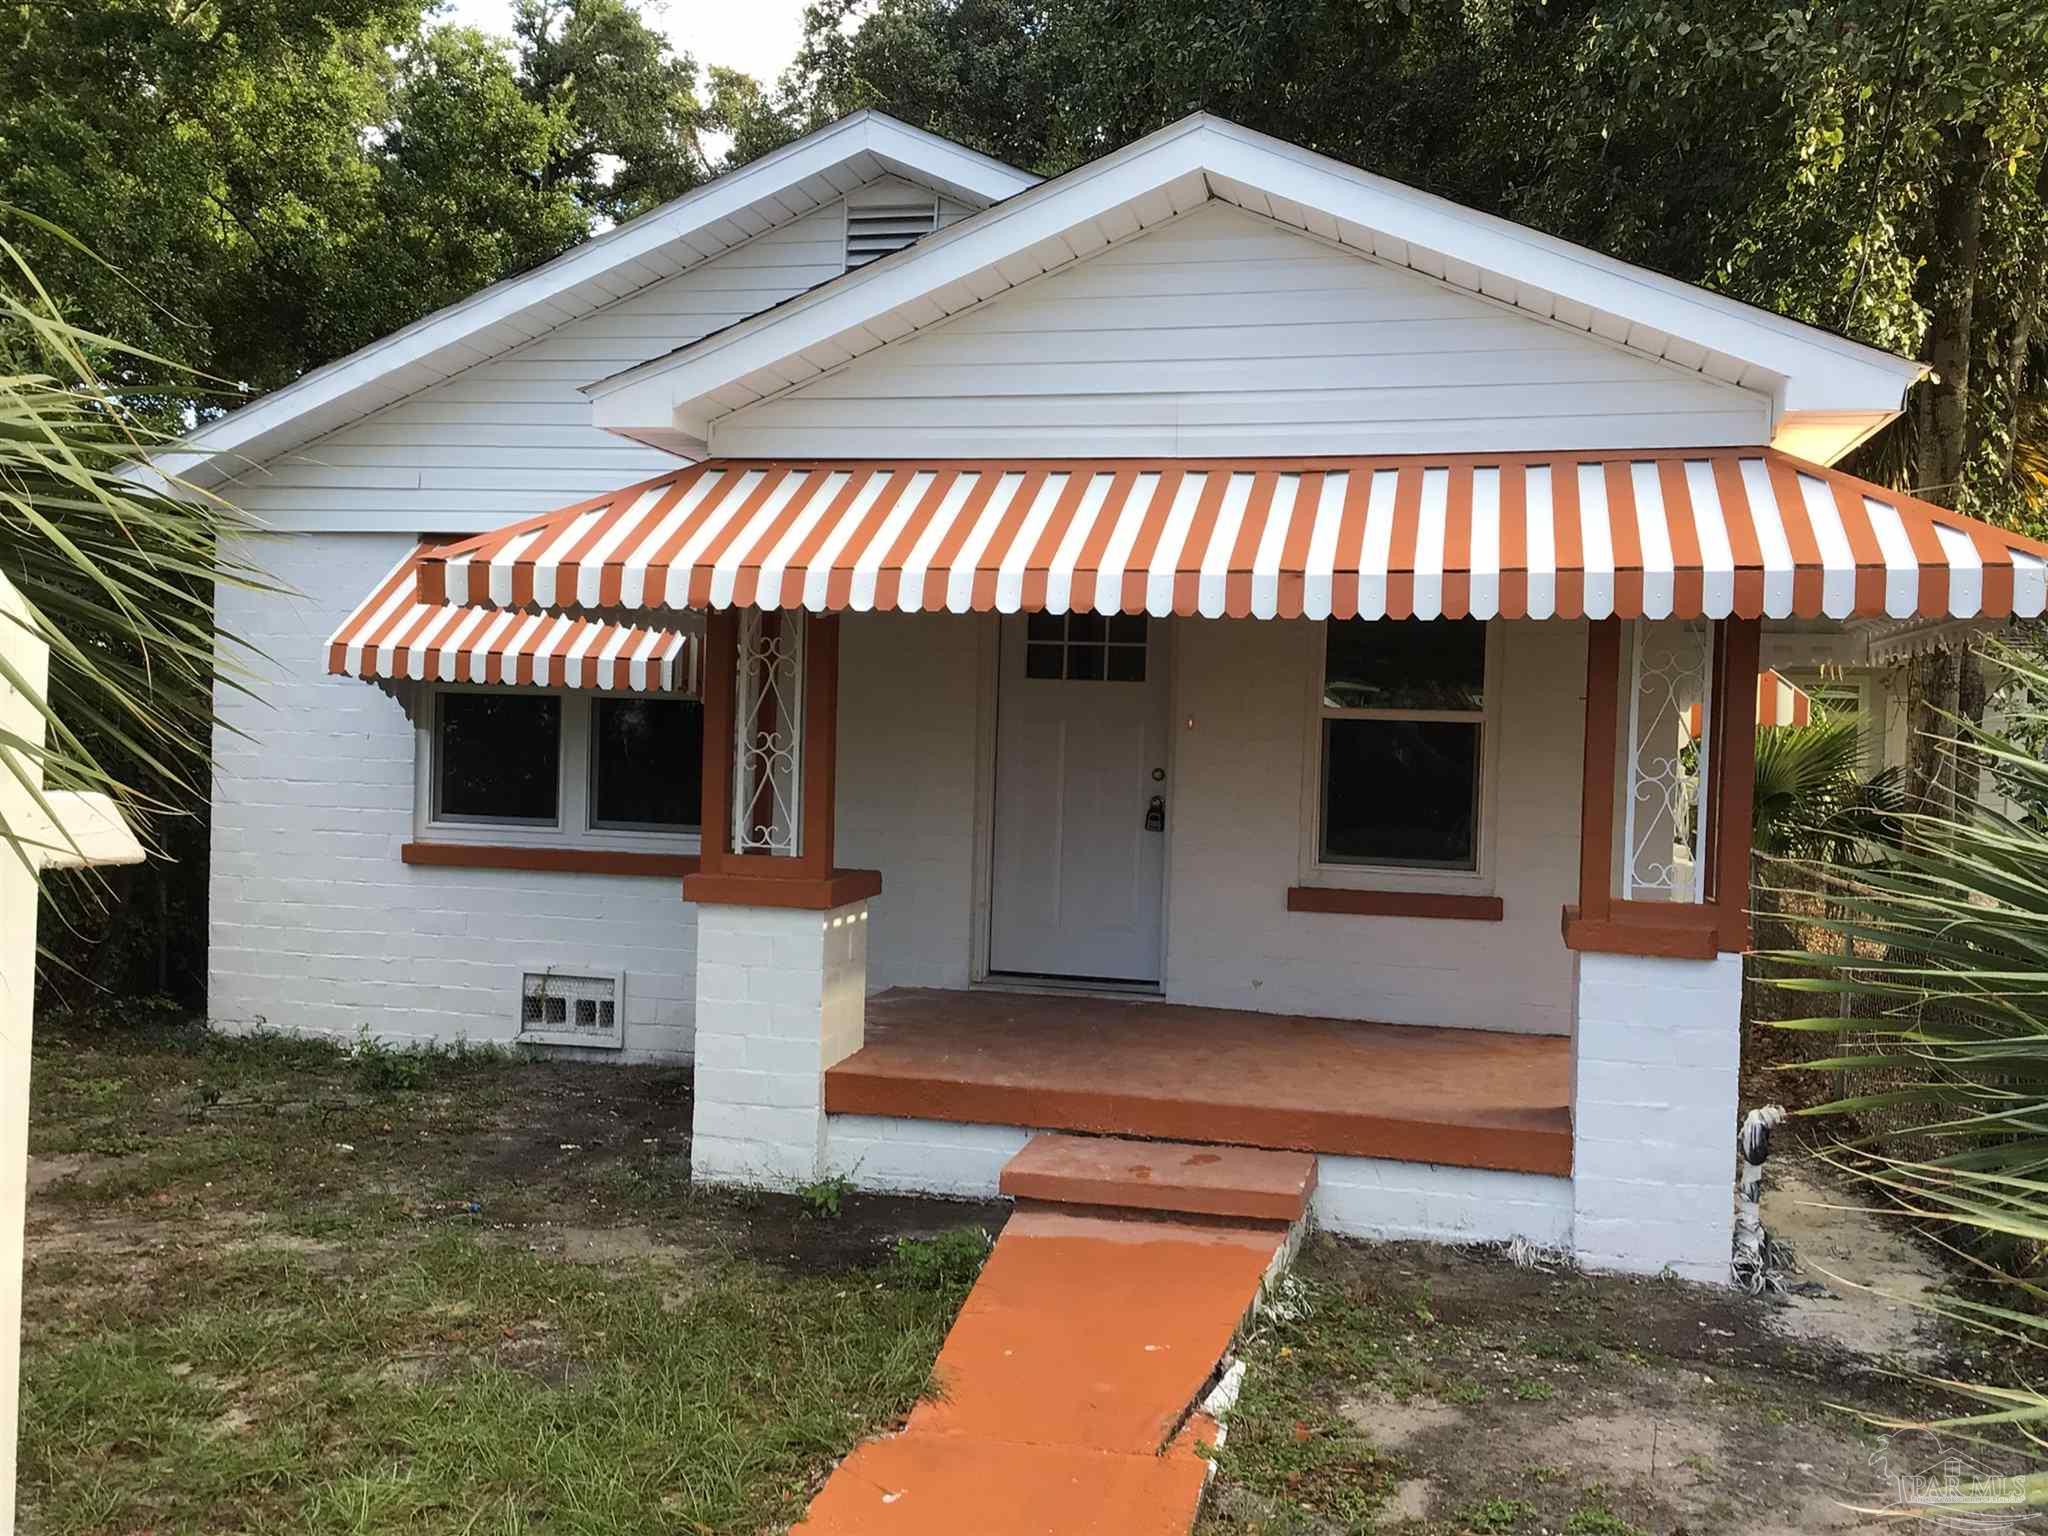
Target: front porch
x=1463, y=1098
x=1414, y=795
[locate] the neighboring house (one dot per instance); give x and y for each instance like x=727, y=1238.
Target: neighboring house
x=1201, y=647
x=1866, y=673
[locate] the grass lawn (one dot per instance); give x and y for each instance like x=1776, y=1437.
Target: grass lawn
x=277, y=1287
x=274, y=1288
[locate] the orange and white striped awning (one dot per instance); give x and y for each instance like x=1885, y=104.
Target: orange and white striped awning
x=1779, y=701
x=395, y=634
x=1709, y=533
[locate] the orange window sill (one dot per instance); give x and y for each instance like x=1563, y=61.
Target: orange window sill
x=1345, y=902
x=573, y=861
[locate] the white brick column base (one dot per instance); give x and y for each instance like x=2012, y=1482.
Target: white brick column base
x=781, y=996
x=1656, y=1046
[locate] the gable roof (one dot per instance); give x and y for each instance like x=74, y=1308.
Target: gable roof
x=1827, y=392
x=761, y=195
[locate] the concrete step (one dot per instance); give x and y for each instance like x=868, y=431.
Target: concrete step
x=1245, y=1183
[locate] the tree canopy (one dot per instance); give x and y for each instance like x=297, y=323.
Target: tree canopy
x=258, y=186
x=272, y=183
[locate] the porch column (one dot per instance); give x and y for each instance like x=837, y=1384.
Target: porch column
x=781, y=932
x=1658, y=933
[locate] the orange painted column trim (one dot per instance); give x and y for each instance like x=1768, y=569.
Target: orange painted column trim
x=1596, y=804
x=1732, y=776
x=810, y=879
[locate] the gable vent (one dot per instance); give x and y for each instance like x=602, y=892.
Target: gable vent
x=874, y=230
x=557, y=1009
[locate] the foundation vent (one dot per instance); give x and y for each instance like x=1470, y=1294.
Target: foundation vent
x=560, y=1009
x=890, y=221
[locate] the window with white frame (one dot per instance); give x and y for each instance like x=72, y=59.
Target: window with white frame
x=1851, y=697
x=505, y=765
x=1837, y=700
x=1401, y=745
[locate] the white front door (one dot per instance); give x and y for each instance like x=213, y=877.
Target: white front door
x=1081, y=797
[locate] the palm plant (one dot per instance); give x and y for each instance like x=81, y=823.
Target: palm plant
x=1948, y=1039
x=115, y=574
x=1812, y=800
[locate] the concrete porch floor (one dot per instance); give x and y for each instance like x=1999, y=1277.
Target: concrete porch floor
x=1139, y=1067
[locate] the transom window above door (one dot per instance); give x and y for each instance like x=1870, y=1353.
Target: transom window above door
x=1401, y=744
x=1085, y=647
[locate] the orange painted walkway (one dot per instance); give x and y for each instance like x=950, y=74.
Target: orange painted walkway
x=1067, y=1383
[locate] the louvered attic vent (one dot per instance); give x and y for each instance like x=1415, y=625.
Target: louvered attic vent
x=874, y=230
x=555, y=1009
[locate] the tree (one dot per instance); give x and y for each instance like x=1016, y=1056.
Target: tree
x=628, y=105
x=265, y=185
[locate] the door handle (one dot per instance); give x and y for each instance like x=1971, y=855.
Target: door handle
x=1155, y=814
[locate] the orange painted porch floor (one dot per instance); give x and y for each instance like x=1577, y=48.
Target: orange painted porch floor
x=1465, y=1097
x=1066, y=1380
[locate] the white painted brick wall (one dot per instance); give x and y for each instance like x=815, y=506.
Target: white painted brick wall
x=921, y=1157
x=1377, y=1198
x=1235, y=822
x=780, y=997
x=908, y=692
x=318, y=928
x=1355, y=1196
x=906, y=806
x=1656, y=1058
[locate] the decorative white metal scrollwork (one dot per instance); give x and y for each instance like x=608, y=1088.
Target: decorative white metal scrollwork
x=767, y=736
x=1664, y=833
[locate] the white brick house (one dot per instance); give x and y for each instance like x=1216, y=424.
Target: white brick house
x=1202, y=647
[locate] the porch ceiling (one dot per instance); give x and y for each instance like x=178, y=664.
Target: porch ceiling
x=1684, y=534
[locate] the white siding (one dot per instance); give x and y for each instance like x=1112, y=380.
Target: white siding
x=1227, y=333
x=511, y=436
x=317, y=925
x=318, y=928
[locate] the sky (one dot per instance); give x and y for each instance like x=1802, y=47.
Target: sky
x=757, y=36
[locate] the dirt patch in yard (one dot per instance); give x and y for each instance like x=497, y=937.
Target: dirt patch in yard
x=563, y=1129
x=786, y=1231
x=1872, y=1269
x=1430, y=1390
x=48, y=1169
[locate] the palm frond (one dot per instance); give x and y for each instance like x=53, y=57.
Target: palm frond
x=1941, y=948
x=113, y=568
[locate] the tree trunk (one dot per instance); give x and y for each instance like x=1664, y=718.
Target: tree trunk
x=1932, y=699
x=1942, y=443
x=1968, y=770
x=1941, y=406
